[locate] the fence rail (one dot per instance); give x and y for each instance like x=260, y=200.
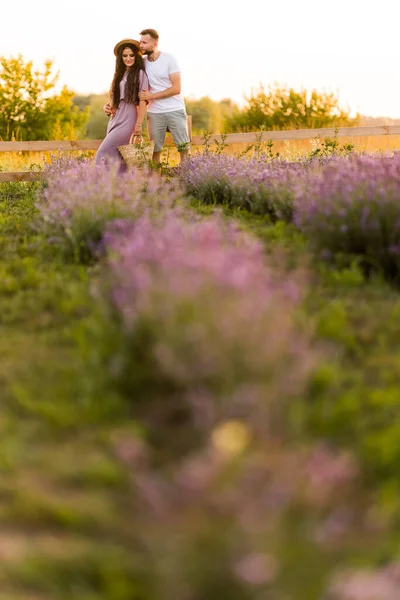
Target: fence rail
x=196, y=140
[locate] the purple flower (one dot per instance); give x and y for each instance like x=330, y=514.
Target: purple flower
x=358, y=196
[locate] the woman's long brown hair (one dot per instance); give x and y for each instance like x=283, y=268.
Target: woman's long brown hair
x=133, y=79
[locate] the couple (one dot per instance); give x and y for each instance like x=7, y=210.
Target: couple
x=144, y=76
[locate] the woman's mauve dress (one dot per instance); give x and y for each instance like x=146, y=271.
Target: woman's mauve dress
x=120, y=127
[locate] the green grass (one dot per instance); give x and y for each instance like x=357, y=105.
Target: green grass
x=64, y=505
x=354, y=399
x=62, y=489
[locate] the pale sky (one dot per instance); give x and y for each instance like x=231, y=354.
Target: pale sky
x=225, y=48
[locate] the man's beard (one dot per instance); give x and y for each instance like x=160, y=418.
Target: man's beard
x=148, y=52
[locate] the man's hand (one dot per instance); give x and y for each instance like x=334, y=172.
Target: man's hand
x=145, y=95
x=108, y=110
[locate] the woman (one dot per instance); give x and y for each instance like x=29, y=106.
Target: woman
x=126, y=109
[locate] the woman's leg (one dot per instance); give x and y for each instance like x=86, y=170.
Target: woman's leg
x=119, y=130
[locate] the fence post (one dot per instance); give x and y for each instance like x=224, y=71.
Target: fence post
x=189, y=126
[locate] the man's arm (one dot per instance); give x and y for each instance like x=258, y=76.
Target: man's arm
x=175, y=79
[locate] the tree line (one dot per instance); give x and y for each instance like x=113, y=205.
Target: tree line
x=30, y=110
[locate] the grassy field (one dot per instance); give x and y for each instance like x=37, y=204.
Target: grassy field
x=62, y=490
x=291, y=149
x=64, y=495
x=288, y=150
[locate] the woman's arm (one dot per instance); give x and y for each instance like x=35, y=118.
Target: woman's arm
x=141, y=112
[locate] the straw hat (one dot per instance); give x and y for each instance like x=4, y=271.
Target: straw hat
x=124, y=43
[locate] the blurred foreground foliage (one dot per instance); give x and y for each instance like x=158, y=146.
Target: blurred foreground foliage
x=92, y=506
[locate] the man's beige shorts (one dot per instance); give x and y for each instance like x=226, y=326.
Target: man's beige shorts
x=175, y=122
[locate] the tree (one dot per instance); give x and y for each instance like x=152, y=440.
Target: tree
x=96, y=126
x=285, y=108
x=208, y=115
x=28, y=112
x=205, y=114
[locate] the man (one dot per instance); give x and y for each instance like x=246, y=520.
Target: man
x=166, y=109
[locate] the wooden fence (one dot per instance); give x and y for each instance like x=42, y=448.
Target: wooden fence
x=196, y=140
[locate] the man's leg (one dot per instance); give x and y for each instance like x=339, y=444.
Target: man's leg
x=177, y=125
x=157, y=128
x=184, y=155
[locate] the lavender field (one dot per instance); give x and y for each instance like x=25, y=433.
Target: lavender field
x=199, y=381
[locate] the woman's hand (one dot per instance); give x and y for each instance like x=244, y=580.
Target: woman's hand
x=137, y=130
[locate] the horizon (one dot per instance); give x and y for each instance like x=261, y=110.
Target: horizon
x=340, y=50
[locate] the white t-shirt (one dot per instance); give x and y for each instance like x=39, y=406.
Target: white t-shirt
x=158, y=73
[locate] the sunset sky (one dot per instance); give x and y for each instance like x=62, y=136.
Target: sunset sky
x=225, y=48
